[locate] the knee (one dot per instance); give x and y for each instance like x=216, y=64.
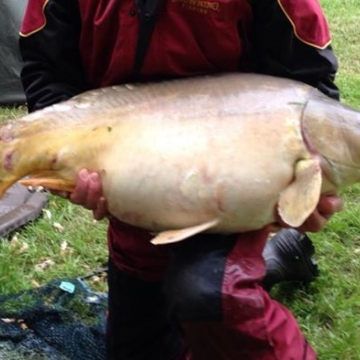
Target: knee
x=193, y=291
x=194, y=280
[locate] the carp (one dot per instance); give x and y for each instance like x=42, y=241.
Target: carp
x=220, y=153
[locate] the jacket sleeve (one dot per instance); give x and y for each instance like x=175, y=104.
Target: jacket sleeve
x=49, y=39
x=291, y=39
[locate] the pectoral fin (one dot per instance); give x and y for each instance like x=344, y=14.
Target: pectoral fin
x=301, y=197
x=49, y=181
x=172, y=236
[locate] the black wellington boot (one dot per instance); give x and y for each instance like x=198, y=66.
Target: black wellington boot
x=289, y=256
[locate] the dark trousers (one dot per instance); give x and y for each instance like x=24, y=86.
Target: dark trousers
x=209, y=306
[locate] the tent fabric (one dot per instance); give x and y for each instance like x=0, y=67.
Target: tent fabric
x=11, y=13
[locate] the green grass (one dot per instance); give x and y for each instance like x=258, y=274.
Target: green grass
x=44, y=250
x=328, y=310
x=344, y=17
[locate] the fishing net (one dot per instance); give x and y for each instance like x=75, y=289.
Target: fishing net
x=63, y=320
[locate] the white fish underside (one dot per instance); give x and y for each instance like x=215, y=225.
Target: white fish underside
x=216, y=154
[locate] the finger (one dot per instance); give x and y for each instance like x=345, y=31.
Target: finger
x=329, y=205
x=80, y=193
x=101, y=210
x=314, y=223
x=94, y=192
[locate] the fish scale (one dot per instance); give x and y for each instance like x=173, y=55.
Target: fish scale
x=224, y=153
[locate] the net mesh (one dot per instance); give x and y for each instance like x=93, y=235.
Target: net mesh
x=62, y=320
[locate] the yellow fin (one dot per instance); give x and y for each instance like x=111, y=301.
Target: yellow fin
x=50, y=183
x=172, y=236
x=301, y=197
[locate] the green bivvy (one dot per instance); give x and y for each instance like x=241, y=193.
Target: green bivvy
x=11, y=13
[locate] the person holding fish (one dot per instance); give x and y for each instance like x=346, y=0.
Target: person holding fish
x=202, y=299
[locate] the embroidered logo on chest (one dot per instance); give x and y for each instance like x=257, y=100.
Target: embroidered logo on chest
x=200, y=6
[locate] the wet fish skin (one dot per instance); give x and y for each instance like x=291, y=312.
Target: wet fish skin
x=218, y=153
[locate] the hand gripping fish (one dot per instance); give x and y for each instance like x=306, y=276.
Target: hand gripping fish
x=219, y=153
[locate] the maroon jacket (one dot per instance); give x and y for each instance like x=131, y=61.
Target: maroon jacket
x=71, y=46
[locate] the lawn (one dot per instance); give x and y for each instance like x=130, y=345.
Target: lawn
x=329, y=309
x=65, y=241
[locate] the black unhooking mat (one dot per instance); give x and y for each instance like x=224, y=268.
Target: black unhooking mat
x=62, y=320
x=18, y=206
